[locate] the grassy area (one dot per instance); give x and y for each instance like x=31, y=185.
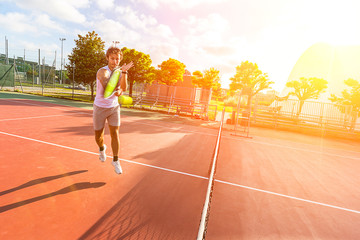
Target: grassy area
x=75, y=97
x=62, y=93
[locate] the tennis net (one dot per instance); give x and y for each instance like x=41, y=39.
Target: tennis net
x=206, y=209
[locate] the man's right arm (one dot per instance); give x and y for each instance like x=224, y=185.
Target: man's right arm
x=103, y=75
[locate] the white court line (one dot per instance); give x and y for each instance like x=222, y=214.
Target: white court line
x=307, y=150
x=93, y=153
x=189, y=174
x=228, y=137
x=25, y=118
x=287, y=196
x=34, y=104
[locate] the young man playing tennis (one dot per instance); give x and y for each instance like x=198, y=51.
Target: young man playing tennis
x=109, y=109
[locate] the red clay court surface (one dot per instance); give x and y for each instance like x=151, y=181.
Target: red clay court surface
x=52, y=185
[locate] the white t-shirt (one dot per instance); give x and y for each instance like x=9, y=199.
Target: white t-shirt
x=100, y=101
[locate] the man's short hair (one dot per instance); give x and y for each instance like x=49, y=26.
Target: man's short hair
x=114, y=50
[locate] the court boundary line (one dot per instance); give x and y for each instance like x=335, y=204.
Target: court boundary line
x=189, y=174
x=95, y=153
x=312, y=151
x=19, y=100
x=288, y=196
x=45, y=116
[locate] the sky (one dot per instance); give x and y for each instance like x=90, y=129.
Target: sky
x=199, y=33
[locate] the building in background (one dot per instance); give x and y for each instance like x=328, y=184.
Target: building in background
x=183, y=91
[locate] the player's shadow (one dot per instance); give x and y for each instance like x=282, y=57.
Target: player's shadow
x=146, y=126
x=137, y=113
x=78, y=111
x=83, y=130
x=41, y=180
x=71, y=188
x=162, y=116
x=133, y=127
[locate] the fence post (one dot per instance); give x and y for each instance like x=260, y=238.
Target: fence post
x=276, y=113
x=321, y=114
x=355, y=116
x=256, y=102
x=54, y=71
x=42, y=79
x=39, y=74
x=33, y=71
x=14, y=74
x=73, y=88
x=170, y=103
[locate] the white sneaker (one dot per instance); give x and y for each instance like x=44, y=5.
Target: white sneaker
x=102, y=154
x=117, y=166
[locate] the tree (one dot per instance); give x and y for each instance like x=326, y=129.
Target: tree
x=31, y=72
x=87, y=56
x=351, y=97
x=209, y=80
x=217, y=90
x=142, y=71
x=171, y=71
x=307, y=88
x=26, y=68
x=248, y=77
x=197, y=78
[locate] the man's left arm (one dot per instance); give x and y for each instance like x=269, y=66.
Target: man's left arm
x=122, y=84
x=123, y=81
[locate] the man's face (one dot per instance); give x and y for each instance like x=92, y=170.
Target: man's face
x=113, y=60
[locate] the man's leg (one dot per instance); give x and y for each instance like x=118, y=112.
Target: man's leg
x=115, y=144
x=115, y=141
x=99, y=118
x=114, y=125
x=99, y=137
